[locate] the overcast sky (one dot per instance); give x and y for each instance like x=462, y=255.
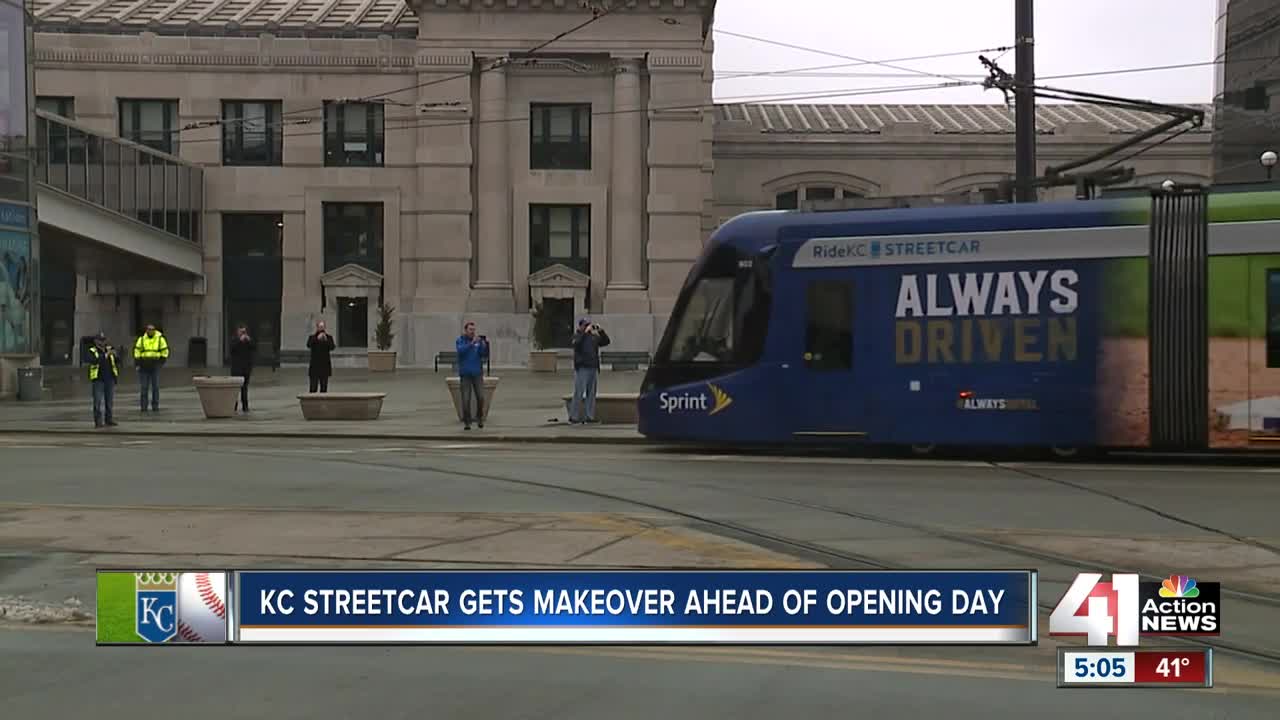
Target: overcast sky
x=1072, y=36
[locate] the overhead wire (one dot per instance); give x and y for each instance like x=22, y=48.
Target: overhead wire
x=596, y=14
x=888, y=64
x=956, y=81
x=624, y=111
x=413, y=124
x=753, y=97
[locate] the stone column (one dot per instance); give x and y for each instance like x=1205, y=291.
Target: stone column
x=493, y=288
x=625, y=291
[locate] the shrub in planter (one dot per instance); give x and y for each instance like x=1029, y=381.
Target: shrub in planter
x=384, y=358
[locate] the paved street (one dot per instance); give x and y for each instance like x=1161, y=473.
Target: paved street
x=70, y=503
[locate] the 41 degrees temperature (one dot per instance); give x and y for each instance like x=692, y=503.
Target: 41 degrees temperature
x=1172, y=667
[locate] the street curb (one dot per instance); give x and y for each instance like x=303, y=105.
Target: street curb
x=484, y=438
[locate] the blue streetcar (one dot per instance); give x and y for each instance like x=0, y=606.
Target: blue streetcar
x=1130, y=322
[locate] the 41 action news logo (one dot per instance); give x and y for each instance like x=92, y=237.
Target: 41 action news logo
x=1128, y=607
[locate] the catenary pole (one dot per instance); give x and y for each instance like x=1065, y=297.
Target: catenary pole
x=1025, y=101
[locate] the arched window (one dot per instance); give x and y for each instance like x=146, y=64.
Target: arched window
x=795, y=197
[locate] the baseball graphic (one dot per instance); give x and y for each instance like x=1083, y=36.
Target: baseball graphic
x=202, y=607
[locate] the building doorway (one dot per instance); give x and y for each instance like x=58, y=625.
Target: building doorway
x=353, y=322
x=57, y=313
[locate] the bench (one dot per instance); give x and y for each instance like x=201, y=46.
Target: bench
x=450, y=357
x=611, y=408
x=292, y=357
x=341, y=406
x=624, y=359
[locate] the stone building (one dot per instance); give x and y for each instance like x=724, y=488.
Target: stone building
x=325, y=155
x=1246, y=88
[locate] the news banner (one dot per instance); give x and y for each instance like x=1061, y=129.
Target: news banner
x=726, y=607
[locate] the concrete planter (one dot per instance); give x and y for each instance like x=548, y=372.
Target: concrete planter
x=611, y=408
x=341, y=406
x=543, y=360
x=382, y=360
x=455, y=393
x=218, y=395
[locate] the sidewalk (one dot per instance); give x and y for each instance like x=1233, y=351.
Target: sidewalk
x=527, y=408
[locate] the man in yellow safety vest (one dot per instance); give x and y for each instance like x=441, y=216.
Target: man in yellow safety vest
x=149, y=353
x=103, y=373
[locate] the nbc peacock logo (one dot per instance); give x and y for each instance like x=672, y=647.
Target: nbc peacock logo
x=1179, y=586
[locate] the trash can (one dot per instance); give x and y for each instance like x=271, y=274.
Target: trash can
x=197, y=352
x=30, y=383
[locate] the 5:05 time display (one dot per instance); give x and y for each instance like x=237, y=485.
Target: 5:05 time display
x=1116, y=666
x=1096, y=667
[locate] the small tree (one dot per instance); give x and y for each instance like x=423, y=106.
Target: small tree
x=382, y=334
x=544, y=332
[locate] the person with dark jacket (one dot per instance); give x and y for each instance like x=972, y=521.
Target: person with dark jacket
x=472, y=351
x=104, y=373
x=321, y=367
x=587, y=341
x=243, y=349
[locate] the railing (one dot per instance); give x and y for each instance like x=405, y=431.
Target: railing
x=127, y=178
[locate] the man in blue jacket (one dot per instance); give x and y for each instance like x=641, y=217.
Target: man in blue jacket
x=587, y=341
x=472, y=351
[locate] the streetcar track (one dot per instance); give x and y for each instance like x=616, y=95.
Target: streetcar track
x=362, y=559
x=811, y=549
x=1268, y=655
x=1141, y=506
x=931, y=530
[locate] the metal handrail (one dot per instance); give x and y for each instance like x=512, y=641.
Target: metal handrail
x=54, y=117
x=126, y=185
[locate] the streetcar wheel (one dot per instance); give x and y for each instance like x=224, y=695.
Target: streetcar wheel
x=923, y=449
x=1065, y=452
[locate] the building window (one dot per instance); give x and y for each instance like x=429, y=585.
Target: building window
x=820, y=192
x=64, y=147
x=796, y=198
x=1273, y=318
x=251, y=133
x=559, y=137
x=828, y=341
x=560, y=234
x=353, y=235
x=153, y=123
x=252, y=234
x=353, y=134
x=64, y=106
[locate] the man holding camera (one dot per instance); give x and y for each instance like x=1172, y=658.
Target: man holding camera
x=587, y=341
x=472, y=350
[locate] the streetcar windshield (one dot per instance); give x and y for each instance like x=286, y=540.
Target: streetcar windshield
x=721, y=318
x=705, y=330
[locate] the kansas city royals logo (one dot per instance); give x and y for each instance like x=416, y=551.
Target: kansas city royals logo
x=156, y=606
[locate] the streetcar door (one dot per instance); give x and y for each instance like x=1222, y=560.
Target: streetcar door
x=827, y=399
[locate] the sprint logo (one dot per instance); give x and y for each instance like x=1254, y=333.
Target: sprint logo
x=711, y=401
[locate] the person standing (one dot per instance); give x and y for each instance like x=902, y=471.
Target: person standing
x=472, y=351
x=587, y=341
x=149, y=355
x=320, y=344
x=103, y=374
x=243, y=349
